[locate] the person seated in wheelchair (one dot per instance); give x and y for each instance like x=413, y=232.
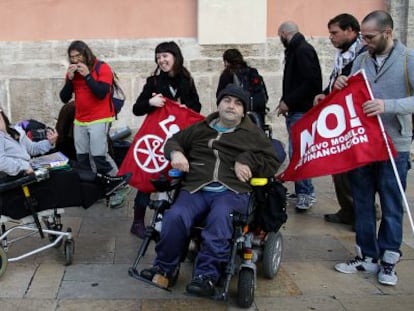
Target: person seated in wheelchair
x=219, y=156
x=16, y=150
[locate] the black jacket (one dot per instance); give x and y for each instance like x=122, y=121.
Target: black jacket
x=212, y=154
x=186, y=92
x=302, y=76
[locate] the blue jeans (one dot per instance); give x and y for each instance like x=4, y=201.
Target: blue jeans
x=303, y=186
x=213, y=209
x=366, y=181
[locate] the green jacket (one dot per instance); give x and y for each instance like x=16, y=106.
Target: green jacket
x=212, y=155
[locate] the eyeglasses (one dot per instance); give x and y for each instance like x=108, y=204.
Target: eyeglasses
x=73, y=56
x=369, y=37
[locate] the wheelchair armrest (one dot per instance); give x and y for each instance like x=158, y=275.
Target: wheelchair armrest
x=24, y=180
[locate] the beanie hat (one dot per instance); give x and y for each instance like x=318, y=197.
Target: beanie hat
x=236, y=91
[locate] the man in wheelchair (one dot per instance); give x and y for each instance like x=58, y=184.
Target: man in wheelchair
x=219, y=156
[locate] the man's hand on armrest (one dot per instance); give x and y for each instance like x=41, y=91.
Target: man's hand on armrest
x=243, y=171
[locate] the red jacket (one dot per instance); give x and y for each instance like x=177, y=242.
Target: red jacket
x=88, y=107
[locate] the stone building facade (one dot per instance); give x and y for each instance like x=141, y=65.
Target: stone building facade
x=31, y=72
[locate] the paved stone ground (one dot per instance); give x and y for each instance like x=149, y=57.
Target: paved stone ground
x=98, y=278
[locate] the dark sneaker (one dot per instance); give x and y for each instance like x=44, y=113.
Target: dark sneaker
x=291, y=196
x=336, y=219
x=201, y=286
x=113, y=183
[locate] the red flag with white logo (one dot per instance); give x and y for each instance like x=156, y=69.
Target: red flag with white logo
x=336, y=136
x=145, y=158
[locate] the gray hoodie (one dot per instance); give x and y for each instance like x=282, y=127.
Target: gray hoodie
x=390, y=84
x=15, y=155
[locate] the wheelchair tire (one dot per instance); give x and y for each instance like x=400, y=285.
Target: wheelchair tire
x=3, y=261
x=245, y=288
x=69, y=251
x=272, y=254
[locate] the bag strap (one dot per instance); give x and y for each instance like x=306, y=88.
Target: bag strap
x=114, y=84
x=98, y=66
x=236, y=79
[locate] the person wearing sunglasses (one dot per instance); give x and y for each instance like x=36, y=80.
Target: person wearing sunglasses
x=387, y=64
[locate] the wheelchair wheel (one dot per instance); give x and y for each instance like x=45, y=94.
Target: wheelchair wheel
x=69, y=250
x=245, y=288
x=3, y=261
x=272, y=254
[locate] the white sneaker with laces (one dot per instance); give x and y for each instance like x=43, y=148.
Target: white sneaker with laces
x=303, y=202
x=387, y=274
x=358, y=264
x=312, y=197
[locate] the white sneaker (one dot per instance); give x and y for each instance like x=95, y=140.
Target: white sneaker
x=366, y=265
x=387, y=275
x=312, y=197
x=303, y=203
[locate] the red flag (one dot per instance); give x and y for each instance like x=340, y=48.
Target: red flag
x=336, y=136
x=145, y=158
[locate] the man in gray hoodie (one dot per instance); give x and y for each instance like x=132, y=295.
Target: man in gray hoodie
x=387, y=64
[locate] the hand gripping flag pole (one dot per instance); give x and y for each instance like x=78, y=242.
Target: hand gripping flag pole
x=397, y=177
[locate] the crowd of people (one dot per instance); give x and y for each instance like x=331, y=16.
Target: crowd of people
x=221, y=154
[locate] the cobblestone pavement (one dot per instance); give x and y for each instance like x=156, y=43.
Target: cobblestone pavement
x=98, y=278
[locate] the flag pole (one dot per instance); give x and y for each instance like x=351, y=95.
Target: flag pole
x=394, y=167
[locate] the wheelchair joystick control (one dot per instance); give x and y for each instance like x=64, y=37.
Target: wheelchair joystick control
x=175, y=173
x=41, y=174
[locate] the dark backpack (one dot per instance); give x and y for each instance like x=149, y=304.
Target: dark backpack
x=250, y=79
x=271, y=204
x=34, y=129
x=117, y=94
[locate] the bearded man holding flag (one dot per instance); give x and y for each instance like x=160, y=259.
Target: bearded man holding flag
x=387, y=65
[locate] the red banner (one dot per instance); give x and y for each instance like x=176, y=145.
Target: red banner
x=145, y=158
x=336, y=136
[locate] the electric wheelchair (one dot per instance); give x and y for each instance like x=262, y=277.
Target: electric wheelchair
x=249, y=243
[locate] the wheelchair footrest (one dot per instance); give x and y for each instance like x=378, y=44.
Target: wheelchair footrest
x=135, y=274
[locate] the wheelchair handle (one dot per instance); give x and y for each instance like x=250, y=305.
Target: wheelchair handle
x=38, y=175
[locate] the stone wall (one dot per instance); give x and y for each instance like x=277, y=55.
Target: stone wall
x=31, y=73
